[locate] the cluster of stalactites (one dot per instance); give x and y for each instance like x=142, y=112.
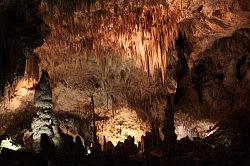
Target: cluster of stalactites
x=143, y=31
x=150, y=41
x=32, y=68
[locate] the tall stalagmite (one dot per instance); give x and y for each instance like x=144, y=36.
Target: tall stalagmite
x=45, y=121
x=169, y=128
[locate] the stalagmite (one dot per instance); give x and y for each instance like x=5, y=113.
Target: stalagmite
x=45, y=121
x=96, y=147
x=169, y=128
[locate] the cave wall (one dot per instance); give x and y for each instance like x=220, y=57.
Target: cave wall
x=213, y=47
x=217, y=84
x=22, y=30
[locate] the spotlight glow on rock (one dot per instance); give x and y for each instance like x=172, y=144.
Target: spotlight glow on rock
x=8, y=143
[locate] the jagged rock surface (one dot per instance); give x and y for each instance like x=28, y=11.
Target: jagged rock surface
x=219, y=79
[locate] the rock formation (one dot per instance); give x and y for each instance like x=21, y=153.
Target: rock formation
x=21, y=31
x=45, y=121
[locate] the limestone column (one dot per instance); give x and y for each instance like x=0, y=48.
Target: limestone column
x=44, y=121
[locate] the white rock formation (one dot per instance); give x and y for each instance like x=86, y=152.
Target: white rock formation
x=45, y=120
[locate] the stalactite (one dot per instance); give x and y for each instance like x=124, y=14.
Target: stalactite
x=137, y=32
x=32, y=68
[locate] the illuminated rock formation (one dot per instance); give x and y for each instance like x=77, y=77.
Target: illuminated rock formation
x=45, y=121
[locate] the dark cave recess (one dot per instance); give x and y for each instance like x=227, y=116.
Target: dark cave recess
x=22, y=30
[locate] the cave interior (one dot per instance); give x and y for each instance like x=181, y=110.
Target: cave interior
x=124, y=82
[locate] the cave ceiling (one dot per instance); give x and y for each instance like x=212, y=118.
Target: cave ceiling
x=130, y=42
